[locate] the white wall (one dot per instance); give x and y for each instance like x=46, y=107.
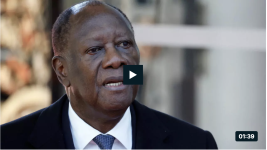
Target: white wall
x=231, y=92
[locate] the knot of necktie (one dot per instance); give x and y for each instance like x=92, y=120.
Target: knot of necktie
x=104, y=141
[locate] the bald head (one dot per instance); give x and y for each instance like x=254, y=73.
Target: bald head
x=74, y=15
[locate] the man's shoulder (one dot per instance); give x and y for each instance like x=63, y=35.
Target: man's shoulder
x=178, y=126
x=19, y=128
x=26, y=124
x=34, y=129
x=170, y=122
x=188, y=135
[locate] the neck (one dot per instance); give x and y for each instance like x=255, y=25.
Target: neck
x=103, y=126
x=98, y=118
x=100, y=121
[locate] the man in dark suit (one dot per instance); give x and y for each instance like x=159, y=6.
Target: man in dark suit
x=92, y=41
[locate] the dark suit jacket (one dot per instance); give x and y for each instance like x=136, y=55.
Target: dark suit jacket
x=49, y=128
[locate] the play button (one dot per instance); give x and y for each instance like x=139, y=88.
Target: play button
x=133, y=74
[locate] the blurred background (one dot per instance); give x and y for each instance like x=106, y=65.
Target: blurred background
x=204, y=61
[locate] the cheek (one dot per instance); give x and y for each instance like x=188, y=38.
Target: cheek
x=89, y=81
x=134, y=56
x=135, y=89
x=84, y=81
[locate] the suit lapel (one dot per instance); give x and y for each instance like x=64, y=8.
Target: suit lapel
x=66, y=127
x=150, y=133
x=48, y=130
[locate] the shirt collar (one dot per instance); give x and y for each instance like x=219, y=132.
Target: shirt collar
x=83, y=133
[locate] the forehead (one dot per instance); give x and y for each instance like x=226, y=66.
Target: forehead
x=94, y=20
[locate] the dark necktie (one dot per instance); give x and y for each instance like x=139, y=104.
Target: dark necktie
x=104, y=141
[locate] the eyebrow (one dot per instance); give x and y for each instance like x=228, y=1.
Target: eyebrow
x=100, y=37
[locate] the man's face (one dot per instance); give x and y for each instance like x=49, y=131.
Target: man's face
x=100, y=43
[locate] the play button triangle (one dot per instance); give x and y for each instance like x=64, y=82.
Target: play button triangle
x=131, y=74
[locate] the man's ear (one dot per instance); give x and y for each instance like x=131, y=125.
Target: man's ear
x=60, y=68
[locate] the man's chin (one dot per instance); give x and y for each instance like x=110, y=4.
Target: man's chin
x=117, y=99
x=113, y=103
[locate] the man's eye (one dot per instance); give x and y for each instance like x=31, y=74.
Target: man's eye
x=124, y=44
x=94, y=50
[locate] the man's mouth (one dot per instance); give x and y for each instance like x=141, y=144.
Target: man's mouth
x=113, y=84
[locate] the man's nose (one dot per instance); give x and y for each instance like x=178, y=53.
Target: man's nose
x=113, y=58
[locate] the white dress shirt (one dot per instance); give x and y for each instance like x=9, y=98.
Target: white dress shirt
x=83, y=133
